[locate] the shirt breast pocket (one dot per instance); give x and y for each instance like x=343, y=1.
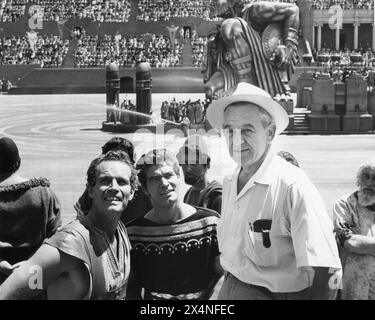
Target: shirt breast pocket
x=264, y=246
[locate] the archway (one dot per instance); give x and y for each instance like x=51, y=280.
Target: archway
x=126, y=85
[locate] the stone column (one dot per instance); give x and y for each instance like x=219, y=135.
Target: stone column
x=313, y=38
x=319, y=36
x=356, y=27
x=338, y=38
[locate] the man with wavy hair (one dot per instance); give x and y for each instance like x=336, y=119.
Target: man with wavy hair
x=174, y=246
x=89, y=257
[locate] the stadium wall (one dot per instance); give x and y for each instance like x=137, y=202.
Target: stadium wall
x=92, y=80
x=16, y=73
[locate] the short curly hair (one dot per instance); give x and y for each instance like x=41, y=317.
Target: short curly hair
x=119, y=144
x=119, y=156
x=154, y=157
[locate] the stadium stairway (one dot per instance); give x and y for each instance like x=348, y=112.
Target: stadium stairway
x=187, y=55
x=301, y=123
x=69, y=59
x=133, y=11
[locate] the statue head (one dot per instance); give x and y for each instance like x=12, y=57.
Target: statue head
x=230, y=8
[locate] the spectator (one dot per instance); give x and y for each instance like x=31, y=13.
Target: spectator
x=29, y=211
x=49, y=51
x=354, y=223
x=127, y=51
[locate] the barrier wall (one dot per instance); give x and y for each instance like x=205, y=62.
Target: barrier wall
x=66, y=80
x=171, y=80
x=15, y=73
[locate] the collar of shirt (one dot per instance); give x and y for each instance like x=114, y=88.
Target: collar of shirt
x=264, y=175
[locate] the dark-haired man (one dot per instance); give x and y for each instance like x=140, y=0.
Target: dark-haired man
x=140, y=204
x=29, y=210
x=195, y=163
x=174, y=247
x=89, y=257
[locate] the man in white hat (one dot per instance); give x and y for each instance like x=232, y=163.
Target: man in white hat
x=275, y=236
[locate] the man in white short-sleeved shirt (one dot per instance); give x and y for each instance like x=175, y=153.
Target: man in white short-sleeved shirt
x=275, y=236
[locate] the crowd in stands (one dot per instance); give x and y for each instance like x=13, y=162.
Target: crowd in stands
x=164, y=10
x=342, y=73
x=328, y=57
x=127, y=51
x=48, y=51
x=344, y=4
x=12, y=11
x=189, y=112
x=107, y=11
x=55, y=10
x=199, y=45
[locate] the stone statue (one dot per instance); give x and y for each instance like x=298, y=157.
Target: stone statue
x=256, y=43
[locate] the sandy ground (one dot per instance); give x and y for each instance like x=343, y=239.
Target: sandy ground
x=58, y=135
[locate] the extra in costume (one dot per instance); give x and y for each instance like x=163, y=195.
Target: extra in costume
x=109, y=271
x=29, y=213
x=175, y=261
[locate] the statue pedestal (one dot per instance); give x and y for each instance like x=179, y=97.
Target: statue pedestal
x=307, y=97
x=357, y=123
x=318, y=122
x=366, y=123
x=304, y=82
x=323, y=98
x=350, y=123
x=321, y=123
x=333, y=123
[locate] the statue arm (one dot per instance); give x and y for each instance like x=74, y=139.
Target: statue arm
x=268, y=12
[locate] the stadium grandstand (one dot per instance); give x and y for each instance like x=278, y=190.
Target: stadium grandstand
x=127, y=51
x=86, y=34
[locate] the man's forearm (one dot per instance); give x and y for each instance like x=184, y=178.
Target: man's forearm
x=360, y=244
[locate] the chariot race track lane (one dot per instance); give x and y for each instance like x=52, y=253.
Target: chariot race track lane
x=58, y=136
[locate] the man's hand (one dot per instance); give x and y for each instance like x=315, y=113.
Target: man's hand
x=6, y=268
x=360, y=244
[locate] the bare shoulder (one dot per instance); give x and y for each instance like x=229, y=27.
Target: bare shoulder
x=65, y=276
x=72, y=284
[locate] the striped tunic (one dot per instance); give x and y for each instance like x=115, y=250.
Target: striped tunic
x=175, y=261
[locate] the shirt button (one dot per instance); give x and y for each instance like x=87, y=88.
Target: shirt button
x=237, y=206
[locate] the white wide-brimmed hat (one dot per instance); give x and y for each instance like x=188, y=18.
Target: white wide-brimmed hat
x=246, y=92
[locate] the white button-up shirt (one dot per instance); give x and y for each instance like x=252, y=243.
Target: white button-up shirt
x=301, y=234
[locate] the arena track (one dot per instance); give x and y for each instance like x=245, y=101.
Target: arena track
x=58, y=136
